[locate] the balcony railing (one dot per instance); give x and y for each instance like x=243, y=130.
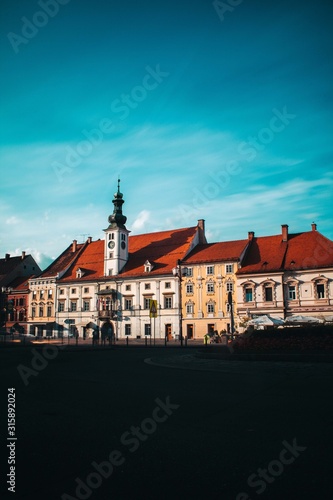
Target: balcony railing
x=107, y=314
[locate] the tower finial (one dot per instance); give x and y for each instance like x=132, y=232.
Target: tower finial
x=117, y=218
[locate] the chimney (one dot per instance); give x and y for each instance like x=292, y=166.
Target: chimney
x=23, y=255
x=7, y=256
x=89, y=240
x=284, y=232
x=314, y=226
x=74, y=246
x=201, y=226
x=250, y=235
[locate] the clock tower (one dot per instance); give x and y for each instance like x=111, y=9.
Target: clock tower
x=116, y=238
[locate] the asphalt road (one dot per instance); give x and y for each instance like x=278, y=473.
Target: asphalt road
x=105, y=424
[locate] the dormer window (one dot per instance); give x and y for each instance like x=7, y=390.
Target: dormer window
x=148, y=266
x=79, y=273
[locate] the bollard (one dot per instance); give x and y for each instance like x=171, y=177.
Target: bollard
x=127, y=341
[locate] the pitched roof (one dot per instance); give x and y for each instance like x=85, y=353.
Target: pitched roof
x=217, y=252
x=308, y=250
x=8, y=265
x=162, y=249
x=90, y=261
x=63, y=261
x=20, y=284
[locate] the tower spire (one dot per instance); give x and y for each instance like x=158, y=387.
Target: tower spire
x=117, y=218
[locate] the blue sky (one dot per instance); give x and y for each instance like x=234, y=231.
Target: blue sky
x=221, y=113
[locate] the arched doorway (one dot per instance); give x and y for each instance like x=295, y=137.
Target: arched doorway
x=107, y=332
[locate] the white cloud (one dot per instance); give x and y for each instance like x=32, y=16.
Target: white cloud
x=140, y=222
x=12, y=220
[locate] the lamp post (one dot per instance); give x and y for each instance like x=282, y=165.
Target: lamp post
x=232, y=321
x=180, y=271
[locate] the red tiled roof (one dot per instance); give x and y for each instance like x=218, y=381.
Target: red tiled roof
x=308, y=250
x=20, y=284
x=162, y=249
x=63, y=261
x=217, y=252
x=90, y=261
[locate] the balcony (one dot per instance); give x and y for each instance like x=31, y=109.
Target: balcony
x=107, y=314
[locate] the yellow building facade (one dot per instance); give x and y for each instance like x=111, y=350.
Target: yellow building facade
x=208, y=285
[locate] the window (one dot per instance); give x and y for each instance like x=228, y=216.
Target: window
x=49, y=311
x=189, y=271
x=128, y=288
x=228, y=307
x=49, y=294
x=210, y=308
x=291, y=292
x=123, y=237
x=189, y=308
x=41, y=294
x=73, y=291
x=110, y=272
x=86, y=305
x=147, y=329
x=128, y=304
x=268, y=294
x=210, y=287
x=86, y=290
x=33, y=312
x=110, y=255
x=61, y=306
x=73, y=306
x=147, y=286
x=34, y=295
x=41, y=311
x=127, y=329
x=189, y=288
x=229, y=268
x=320, y=291
x=248, y=294
x=210, y=270
x=146, y=303
x=168, y=284
x=61, y=291
x=230, y=287
x=168, y=302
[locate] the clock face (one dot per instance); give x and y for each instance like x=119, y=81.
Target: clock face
x=111, y=244
x=123, y=245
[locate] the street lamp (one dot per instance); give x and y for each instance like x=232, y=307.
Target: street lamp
x=232, y=321
x=180, y=271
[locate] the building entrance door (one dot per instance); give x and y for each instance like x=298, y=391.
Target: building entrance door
x=189, y=331
x=168, y=331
